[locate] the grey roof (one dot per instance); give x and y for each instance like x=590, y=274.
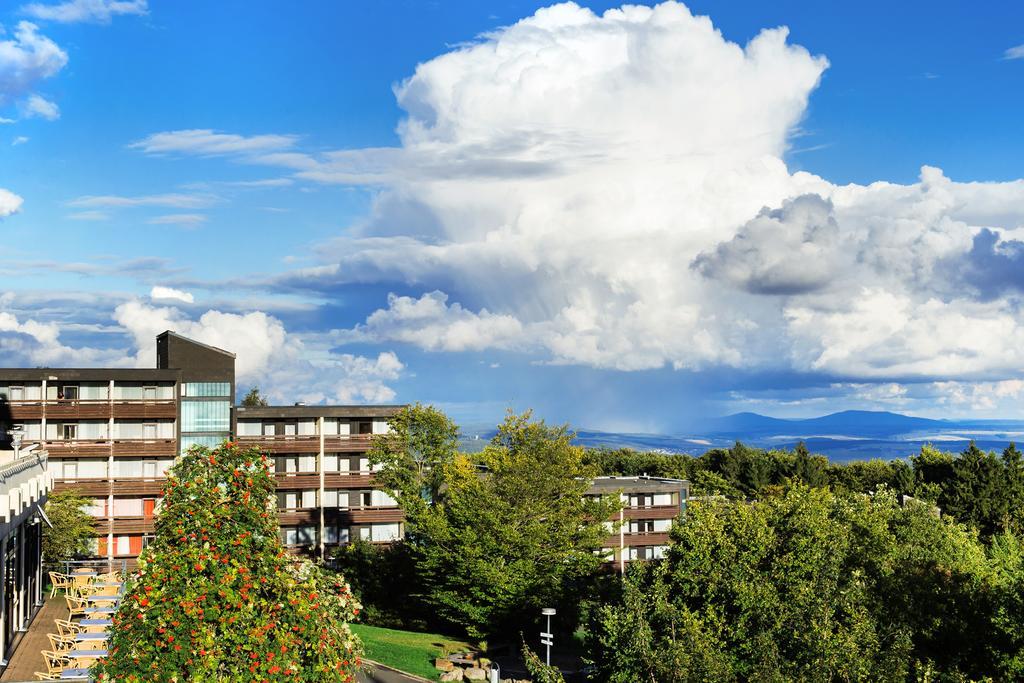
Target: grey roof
x=89, y=374
x=314, y=411
x=172, y=333
x=641, y=483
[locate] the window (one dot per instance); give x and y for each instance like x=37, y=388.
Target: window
x=330, y=498
x=309, y=499
x=149, y=469
x=662, y=499
x=662, y=525
x=384, y=532
x=149, y=430
x=382, y=499
x=69, y=431
x=17, y=393
x=307, y=427
x=68, y=392
x=269, y=429
x=330, y=462
x=149, y=393
x=187, y=441
x=206, y=389
x=249, y=428
x=205, y=416
x=641, y=526
x=70, y=470
x=307, y=463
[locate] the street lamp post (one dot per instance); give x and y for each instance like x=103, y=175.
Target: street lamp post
x=546, y=638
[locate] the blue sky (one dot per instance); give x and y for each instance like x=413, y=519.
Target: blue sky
x=625, y=220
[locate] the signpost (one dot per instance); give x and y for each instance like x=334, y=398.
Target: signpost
x=546, y=638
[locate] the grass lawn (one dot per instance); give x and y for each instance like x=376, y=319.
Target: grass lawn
x=406, y=650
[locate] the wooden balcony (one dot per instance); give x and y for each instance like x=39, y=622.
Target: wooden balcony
x=644, y=538
x=91, y=488
x=61, y=409
x=348, y=480
x=297, y=480
x=132, y=525
x=652, y=512
x=283, y=444
x=26, y=410
x=83, y=448
x=370, y=515
x=141, y=410
x=298, y=517
x=352, y=443
x=146, y=447
x=93, y=409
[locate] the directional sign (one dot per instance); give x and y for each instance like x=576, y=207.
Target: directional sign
x=545, y=635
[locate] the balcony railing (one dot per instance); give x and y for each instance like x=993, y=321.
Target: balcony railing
x=92, y=408
x=104, y=447
x=309, y=443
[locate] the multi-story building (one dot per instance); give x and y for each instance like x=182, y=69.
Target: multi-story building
x=113, y=433
x=24, y=486
x=325, y=490
x=650, y=505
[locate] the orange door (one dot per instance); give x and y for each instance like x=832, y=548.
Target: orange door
x=148, y=506
x=135, y=544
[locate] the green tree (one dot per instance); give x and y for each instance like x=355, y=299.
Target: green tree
x=411, y=457
x=254, y=399
x=72, y=531
x=383, y=577
x=809, y=586
x=215, y=596
x=976, y=491
x=511, y=531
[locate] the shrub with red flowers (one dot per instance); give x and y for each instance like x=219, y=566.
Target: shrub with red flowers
x=215, y=597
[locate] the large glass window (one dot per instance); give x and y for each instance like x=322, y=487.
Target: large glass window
x=205, y=441
x=206, y=389
x=205, y=416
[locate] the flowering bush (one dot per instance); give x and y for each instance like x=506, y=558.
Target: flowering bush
x=215, y=597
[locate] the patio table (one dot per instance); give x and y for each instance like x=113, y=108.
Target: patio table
x=74, y=673
x=96, y=622
x=92, y=636
x=90, y=656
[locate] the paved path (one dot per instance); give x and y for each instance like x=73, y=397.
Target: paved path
x=378, y=675
x=27, y=659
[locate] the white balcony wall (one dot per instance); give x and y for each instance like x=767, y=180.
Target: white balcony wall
x=137, y=391
x=85, y=429
x=307, y=427
x=250, y=428
x=380, y=427
x=127, y=507
x=138, y=429
x=379, y=498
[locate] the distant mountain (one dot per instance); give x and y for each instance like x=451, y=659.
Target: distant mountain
x=847, y=435
x=847, y=422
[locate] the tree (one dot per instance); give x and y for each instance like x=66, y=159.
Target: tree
x=812, y=586
x=254, y=399
x=411, y=458
x=384, y=579
x=511, y=530
x=72, y=531
x=216, y=598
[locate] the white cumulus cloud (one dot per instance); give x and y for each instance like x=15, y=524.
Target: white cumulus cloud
x=160, y=292
x=38, y=107
x=93, y=11
x=9, y=202
x=282, y=363
x=26, y=58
